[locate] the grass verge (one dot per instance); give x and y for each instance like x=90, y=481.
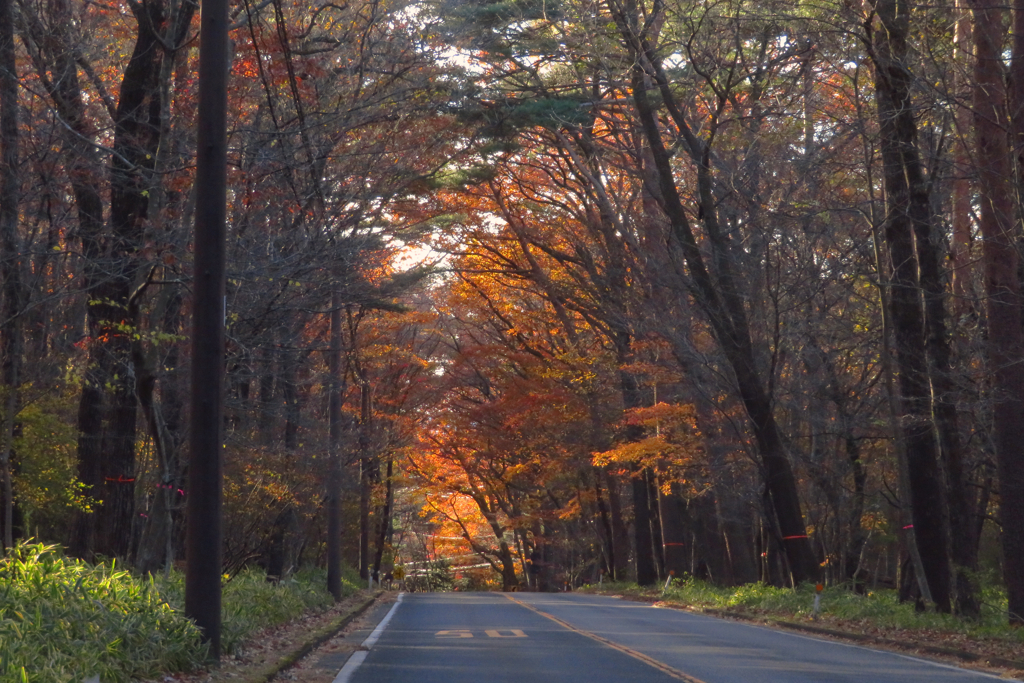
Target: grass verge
x=877, y=615
x=65, y=621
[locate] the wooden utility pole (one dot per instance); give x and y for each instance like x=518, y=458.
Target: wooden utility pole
x=203, y=542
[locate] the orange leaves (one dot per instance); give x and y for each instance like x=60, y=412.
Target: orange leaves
x=664, y=415
x=672, y=441
x=644, y=453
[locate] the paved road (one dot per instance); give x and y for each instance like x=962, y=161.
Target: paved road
x=565, y=638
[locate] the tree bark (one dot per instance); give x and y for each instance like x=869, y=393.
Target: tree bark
x=675, y=530
x=620, y=531
x=107, y=408
x=1003, y=302
x=908, y=214
x=51, y=48
x=157, y=541
x=719, y=299
x=384, y=520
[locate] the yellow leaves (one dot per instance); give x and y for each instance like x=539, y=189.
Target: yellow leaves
x=571, y=510
x=874, y=521
x=644, y=452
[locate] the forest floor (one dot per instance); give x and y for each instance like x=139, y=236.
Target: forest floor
x=1002, y=656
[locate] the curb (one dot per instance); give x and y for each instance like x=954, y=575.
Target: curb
x=862, y=638
x=312, y=642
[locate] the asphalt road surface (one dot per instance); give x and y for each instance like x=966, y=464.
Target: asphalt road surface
x=566, y=638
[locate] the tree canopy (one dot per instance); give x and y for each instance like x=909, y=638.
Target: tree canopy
x=530, y=293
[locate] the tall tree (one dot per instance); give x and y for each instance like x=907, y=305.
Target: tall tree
x=1003, y=300
x=721, y=301
x=908, y=216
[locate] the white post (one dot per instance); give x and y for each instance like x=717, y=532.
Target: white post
x=668, y=581
x=817, y=601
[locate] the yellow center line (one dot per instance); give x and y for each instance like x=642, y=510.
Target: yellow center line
x=649, y=661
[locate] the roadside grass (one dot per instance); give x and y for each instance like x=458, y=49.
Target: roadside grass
x=876, y=611
x=251, y=603
x=63, y=620
x=66, y=621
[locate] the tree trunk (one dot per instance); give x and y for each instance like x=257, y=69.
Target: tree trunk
x=383, y=521
x=675, y=530
x=604, y=530
x=156, y=544
x=52, y=52
x=646, y=569
x=709, y=543
x=721, y=301
x=960, y=244
x=620, y=530
x=643, y=540
x=107, y=409
x=1005, y=346
x=657, y=534
x=907, y=207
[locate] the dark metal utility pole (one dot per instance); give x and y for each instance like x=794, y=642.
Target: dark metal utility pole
x=203, y=542
x=10, y=267
x=334, y=464
x=365, y=483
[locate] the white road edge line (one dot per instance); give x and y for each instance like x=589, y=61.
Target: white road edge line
x=350, y=666
x=357, y=657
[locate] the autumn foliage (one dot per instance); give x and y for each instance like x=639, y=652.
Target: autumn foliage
x=540, y=293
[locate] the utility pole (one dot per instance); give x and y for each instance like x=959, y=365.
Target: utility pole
x=334, y=455
x=203, y=540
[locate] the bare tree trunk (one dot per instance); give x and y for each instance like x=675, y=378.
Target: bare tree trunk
x=657, y=535
x=384, y=520
x=157, y=533
x=107, y=408
x=620, y=531
x=909, y=213
x=1002, y=287
x=604, y=529
x=51, y=48
x=643, y=547
x=675, y=530
x=719, y=298
x=960, y=245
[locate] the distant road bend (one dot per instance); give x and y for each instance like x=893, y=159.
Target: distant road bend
x=573, y=638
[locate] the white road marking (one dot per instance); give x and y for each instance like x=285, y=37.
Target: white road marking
x=357, y=658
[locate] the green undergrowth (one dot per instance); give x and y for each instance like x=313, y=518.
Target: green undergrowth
x=66, y=621
x=250, y=602
x=840, y=606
